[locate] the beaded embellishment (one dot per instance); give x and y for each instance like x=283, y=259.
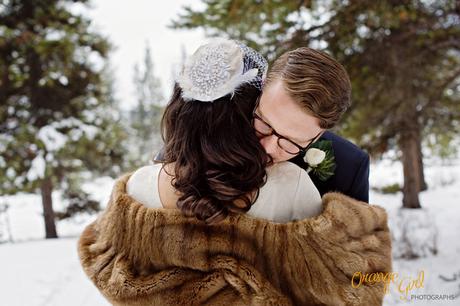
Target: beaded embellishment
x=219, y=68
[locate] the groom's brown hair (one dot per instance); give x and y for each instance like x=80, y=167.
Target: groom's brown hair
x=316, y=81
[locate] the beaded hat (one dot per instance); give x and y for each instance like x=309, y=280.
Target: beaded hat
x=218, y=68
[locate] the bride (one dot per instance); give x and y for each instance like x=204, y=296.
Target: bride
x=213, y=162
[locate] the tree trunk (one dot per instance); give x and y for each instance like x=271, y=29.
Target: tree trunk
x=411, y=167
x=48, y=212
x=422, y=183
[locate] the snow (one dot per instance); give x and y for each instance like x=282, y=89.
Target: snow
x=52, y=139
x=42, y=272
x=10, y=173
x=37, y=168
x=440, y=216
x=39, y=272
x=25, y=212
x=45, y=273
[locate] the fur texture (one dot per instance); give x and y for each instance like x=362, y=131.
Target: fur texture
x=144, y=256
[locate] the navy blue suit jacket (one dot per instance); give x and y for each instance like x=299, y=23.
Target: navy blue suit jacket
x=352, y=169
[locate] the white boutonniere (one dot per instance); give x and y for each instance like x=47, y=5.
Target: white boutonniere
x=314, y=157
x=320, y=159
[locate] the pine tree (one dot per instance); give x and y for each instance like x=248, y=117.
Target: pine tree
x=56, y=124
x=146, y=116
x=402, y=57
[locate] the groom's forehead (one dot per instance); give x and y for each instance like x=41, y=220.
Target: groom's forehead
x=285, y=115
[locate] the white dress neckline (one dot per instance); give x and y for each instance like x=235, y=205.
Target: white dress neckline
x=288, y=194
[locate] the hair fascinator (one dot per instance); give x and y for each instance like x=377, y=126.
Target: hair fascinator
x=218, y=68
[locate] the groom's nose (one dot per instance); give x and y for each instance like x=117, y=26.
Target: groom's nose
x=270, y=144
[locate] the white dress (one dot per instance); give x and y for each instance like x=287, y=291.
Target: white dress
x=289, y=193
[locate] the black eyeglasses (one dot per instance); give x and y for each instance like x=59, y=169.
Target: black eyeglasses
x=264, y=129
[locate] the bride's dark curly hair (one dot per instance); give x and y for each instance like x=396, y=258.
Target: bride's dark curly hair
x=219, y=162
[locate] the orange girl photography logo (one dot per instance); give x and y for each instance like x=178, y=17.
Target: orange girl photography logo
x=405, y=284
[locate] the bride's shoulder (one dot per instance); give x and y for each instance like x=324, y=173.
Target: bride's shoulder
x=288, y=194
x=143, y=185
x=146, y=170
x=288, y=174
x=143, y=175
x=284, y=169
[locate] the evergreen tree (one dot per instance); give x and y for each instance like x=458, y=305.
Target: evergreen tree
x=402, y=57
x=146, y=116
x=56, y=124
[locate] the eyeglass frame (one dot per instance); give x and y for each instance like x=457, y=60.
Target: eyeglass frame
x=279, y=136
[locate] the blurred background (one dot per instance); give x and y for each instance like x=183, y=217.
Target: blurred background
x=83, y=85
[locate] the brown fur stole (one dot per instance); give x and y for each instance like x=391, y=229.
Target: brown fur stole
x=145, y=256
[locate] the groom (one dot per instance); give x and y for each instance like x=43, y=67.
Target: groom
x=305, y=94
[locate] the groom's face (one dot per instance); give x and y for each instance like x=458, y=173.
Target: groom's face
x=287, y=118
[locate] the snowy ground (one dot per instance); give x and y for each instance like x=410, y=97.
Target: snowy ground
x=39, y=272
x=34, y=271
x=44, y=272
x=442, y=204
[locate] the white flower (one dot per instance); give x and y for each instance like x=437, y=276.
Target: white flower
x=314, y=157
